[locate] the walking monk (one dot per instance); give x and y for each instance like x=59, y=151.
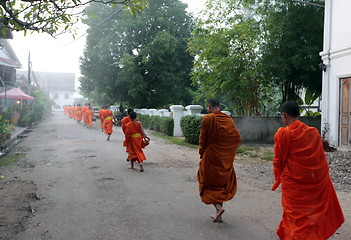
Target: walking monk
x=311, y=210
x=101, y=116
x=108, y=122
x=89, y=117
x=218, y=143
x=124, y=122
x=134, y=136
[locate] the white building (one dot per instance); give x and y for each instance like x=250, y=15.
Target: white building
x=336, y=56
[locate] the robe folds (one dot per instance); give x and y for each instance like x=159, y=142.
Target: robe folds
x=311, y=210
x=108, y=123
x=101, y=118
x=134, y=138
x=124, y=122
x=89, y=117
x=218, y=143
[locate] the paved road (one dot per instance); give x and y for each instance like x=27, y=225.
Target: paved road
x=87, y=191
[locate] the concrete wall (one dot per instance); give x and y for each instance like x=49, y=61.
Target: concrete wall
x=336, y=56
x=262, y=129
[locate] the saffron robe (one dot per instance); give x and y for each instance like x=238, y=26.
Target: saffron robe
x=218, y=143
x=108, y=123
x=134, y=138
x=79, y=116
x=124, y=122
x=84, y=113
x=89, y=117
x=311, y=210
x=101, y=118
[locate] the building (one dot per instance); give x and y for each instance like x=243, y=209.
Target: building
x=336, y=56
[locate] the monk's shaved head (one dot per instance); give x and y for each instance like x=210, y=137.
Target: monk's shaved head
x=291, y=108
x=133, y=115
x=213, y=102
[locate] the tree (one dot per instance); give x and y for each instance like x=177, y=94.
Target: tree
x=140, y=61
x=54, y=16
x=293, y=40
x=225, y=44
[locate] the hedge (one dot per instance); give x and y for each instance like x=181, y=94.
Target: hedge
x=191, y=126
x=160, y=124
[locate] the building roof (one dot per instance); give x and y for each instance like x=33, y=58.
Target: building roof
x=8, y=57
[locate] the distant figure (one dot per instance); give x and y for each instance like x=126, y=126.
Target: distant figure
x=134, y=133
x=218, y=143
x=79, y=113
x=124, y=122
x=89, y=117
x=101, y=110
x=108, y=122
x=311, y=210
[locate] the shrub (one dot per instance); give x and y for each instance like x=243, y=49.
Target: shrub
x=4, y=129
x=160, y=124
x=191, y=126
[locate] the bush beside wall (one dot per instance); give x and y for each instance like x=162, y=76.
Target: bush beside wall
x=191, y=126
x=160, y=124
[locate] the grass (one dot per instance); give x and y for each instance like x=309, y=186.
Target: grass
x=262, y=153
x=175, y=140
x=11, y=158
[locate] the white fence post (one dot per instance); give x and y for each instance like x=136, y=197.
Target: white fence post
x=194, y=109
x=177, y=112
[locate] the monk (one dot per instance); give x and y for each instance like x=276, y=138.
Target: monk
x=89, y=117
x=79, y=116
x=101, y=110
x=124, y=122
x=311, y=210
x=218, y=143
x=84, y=115
x=134, y=134
x=109, y=117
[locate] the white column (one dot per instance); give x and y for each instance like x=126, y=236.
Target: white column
x=193, y=109
x=153, y=112
x=177, y=114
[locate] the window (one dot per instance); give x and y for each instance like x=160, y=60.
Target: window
x=66, y=96
x=56, y=96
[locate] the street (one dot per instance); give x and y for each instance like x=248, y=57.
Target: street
x=85, y=191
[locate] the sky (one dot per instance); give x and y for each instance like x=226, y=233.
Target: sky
x=62, y=54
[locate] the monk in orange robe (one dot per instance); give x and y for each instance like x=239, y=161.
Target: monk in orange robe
x=89, y=117
x=134, y=133
x=124, y=122
x=218, y=143
x=101, y=110
x=109, y=117
x=311, y=210
x=84, y=115
x=79, y=116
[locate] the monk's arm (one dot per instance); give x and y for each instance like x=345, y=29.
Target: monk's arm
x=143, y=131
x=277, y=160
x=203, y=136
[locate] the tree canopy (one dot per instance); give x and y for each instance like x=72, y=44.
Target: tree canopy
x=54, y=16
x=249, y=52
x=141, y=61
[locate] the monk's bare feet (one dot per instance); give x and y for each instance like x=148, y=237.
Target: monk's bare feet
x=131, y=165
x=141, y=168
x=218, y=219
x=108, y=138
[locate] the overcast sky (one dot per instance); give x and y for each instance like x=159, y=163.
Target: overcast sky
x=61, y=54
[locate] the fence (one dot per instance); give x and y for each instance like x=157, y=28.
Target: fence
x=252, y=129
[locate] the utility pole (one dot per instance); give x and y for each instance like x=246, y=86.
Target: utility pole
x=29, y=69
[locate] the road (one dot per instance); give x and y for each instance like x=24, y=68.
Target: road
x=87, y=192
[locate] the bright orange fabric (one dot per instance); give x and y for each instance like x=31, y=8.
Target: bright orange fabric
x=134, y=147
x=218, y=143
x=70, y=112
x=89, y=117
x=108, y=123
x=124, y=122
x=79, y=113
x=65, y=110
x=84, y=113
x=311, y=210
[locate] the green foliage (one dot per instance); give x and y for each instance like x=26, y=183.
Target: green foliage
x=4, y=129
x=42, y=105
x=175, y=140
x=164, y=125
x=52, y=17
x=191, y=126
x=140, y=61
x=11, y=158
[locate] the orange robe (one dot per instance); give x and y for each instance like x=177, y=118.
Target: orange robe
x=134, y=138
x=89, y=117
x=311, y=210
x=218, y=143
x=84, y=114
x=65, y=110
x=70, y=112
x=124, y=122
x=101, y=118
x=108, y=123
x=79, y=114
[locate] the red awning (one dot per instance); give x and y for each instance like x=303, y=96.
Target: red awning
x=16, y=93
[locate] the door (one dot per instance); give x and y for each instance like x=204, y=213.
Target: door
x=345, y=112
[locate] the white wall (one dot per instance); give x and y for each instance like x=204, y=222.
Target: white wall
x=336, y=56
x=61, y=100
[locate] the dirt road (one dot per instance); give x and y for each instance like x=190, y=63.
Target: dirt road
x=75, y=185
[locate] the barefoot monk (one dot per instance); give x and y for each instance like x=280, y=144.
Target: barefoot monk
x=218, y=143
x=311, y=210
